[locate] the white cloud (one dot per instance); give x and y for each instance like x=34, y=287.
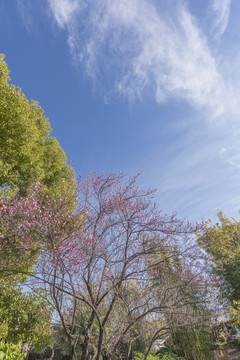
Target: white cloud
x=64, y=10
x=221, y=10
x=136, y=46
x=24, y=10
x=139, y=48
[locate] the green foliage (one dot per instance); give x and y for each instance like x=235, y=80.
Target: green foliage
x=167, y=354
x=25, y=317
x=140, y=356
x=235, y=313
x=11, y=351
x=163, y=354
x=27, y=154
x=27, y=151
x=222, y=242
x=188, y=339
x=194, y=343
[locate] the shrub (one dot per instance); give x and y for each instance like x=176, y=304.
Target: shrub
x=10, y=351
x=163, y=354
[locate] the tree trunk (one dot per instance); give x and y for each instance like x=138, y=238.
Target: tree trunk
x=100, y=341
x=71, y=348
x=86, y=337
x=52, y=356
x=105, y=355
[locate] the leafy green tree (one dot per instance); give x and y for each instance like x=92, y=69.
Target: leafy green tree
x=235, y=313
x=188, y=330
x=11, y=351
x=222, y=243
x=27, y=152
x=25, y=317
x=194, y=342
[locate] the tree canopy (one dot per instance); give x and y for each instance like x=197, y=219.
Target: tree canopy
x=25, y=317
x=28, y=154
x=27, y=151
x=222, y=242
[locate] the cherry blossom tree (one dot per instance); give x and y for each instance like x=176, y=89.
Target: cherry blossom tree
x=103, y=257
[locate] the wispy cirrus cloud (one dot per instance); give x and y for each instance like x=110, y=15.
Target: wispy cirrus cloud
x=145, y=48
x=64, y=11
x=221, y=10
x=24, y=10
x=138, y=47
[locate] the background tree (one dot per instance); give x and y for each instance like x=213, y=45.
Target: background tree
x=221, y=242
x=185, y=282
x=25, y=317
x=193, y=342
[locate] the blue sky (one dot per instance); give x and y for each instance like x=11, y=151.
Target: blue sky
x=150, y=86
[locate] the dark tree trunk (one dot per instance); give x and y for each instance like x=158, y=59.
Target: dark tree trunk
x=71, y=348
x=100, y=341
x=105, y=355
x=86, y=337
